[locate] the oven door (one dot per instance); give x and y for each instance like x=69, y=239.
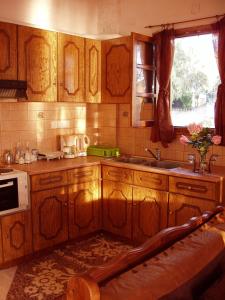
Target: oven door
x=8, y=194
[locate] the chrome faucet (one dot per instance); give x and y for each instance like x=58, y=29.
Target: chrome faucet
x=157, y=155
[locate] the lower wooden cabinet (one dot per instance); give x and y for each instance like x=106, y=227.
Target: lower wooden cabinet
x=182, y=208
x=149, y=212
x=50, y=218
x=16, y=235
x=117, y=208
x=84, y=208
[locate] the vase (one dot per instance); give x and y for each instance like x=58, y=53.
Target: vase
x=202, y=162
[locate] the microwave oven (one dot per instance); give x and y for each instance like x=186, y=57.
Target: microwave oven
x=14, y=190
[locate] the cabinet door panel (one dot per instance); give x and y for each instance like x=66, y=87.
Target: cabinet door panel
x=8, y=46
x=117, y=208
x=38, y=62
x=16, y=235
x=49, y=212
x=117, y=70
x=149, y=212
x=93, y=70
x=182, y=208
x=71, y=68
x=84, y=208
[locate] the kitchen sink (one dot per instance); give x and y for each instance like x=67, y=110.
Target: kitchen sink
x=161, y=164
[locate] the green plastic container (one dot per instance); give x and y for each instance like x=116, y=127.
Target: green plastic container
x=104, y=151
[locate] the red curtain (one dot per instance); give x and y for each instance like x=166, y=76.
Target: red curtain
x=163, y=129
x=220, y=101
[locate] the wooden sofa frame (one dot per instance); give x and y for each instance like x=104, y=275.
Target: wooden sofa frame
x=87, y=286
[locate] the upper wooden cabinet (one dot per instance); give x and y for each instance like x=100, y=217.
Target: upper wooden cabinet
x=93, y=70
x=38, y=62
x=8, y=46
x=70, y=68
x=117, y=58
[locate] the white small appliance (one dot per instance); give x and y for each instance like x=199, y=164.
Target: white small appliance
x=74, y=145
x=14, y=190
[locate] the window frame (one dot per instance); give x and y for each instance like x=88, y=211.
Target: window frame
x=188, y=32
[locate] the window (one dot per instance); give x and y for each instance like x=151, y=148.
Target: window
x=194, y=81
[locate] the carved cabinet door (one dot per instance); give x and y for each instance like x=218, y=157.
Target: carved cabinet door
x=70, y=68
x=149, y=212
x=49, y=213
x=93, y=70
x=117, y=208
x=8, y=50
x=37, y=62
x=117, y=65
x=16, y=235
x=182, y=208
x=84, y=208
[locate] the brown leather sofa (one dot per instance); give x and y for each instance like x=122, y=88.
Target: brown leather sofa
x=185, y=262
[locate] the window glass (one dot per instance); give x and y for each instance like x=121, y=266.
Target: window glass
x=194, y=81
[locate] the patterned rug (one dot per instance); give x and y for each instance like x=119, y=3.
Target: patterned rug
x=46, y=277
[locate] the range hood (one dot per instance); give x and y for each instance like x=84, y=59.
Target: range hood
x=13, y=89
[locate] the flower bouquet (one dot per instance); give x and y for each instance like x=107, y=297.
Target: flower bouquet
x=201, y=139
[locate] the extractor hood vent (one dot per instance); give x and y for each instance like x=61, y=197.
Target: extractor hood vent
x=13, y=89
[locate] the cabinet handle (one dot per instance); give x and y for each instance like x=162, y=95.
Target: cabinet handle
x=65, y=204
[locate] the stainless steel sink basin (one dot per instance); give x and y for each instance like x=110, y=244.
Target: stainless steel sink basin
x=162, y=164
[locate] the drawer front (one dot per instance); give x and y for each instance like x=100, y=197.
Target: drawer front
x=196, y=188
x=151, y=180
x=117, y=174
x=85, y=174
x=48, y=180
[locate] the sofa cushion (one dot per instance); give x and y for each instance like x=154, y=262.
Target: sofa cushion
x=173, y=273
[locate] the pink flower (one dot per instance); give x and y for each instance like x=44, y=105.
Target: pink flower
x=216, y=139
x=184, y=140
x=194, y=128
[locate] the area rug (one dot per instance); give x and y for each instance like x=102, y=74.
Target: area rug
x=46, y=277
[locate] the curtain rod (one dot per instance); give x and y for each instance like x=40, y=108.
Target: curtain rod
x=181, y=22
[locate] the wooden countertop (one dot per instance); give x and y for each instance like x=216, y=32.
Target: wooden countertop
x=44, y=166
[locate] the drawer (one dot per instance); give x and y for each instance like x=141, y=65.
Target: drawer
x=151, y=180
x=196, y=188
x=48, y=180
x=117, y=174
x=85, y=174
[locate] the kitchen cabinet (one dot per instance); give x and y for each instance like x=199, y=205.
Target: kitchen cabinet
x=117, y=208
x=8, y=46
x=189, y=197
x=70, y=68
x=49, y=215
x=84, y=201
x=84, y=209
x=149, y=212
x=132, y=207
x=182, y=208
x=37, y=61
x=93, y=71
x=117, y=57
x=16, y=235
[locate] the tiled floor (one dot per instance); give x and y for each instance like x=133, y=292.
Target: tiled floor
x=6, y=277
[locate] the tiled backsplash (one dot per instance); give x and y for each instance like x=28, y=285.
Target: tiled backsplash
x=41, y=124
x=110, y=124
